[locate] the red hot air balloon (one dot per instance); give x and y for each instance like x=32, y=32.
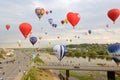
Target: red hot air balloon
x=62, y=22
x=47, y=12
x=7, y=26
x=113, y=14
x=73, y=18
x=25, y=29
x=58, y=37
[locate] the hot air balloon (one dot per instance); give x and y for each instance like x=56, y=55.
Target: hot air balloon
x=39, y=12
x=50, y=11
x=54, y=25
x=107, y=26
x=89, y=31
x=58, y=37
x=60, y=51
x=25, y=29
x=70, y=40
x=47, y=12
x=40, y=37
x=7, y=26
x=114, y=51
x=19, y=43
x=62, y=22
x=50, y=20
x=33, y=40
x=66, y=21
x=75, y=36
x=73, y=18
x=113, y=14
x=46, y=33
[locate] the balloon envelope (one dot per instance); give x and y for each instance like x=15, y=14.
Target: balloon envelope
x=40, y=37
x=66, y=21
x=33, y=40
x=19, y=43
x=114, y=51
x=39, y=12
x=89, y=31
x=113, y=14
x=62, y=22
x=60, y=51
x=25, y=29
x=73, y=18
x=7, y=26
x=50, y=20
x=54, y=25
x=50, y=11
x=47, y=12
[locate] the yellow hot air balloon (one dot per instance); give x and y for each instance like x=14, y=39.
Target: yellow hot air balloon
x=40, y=37
x=65, y=20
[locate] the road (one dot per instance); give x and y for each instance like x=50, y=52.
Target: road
x=82, y=68
x=12, y=70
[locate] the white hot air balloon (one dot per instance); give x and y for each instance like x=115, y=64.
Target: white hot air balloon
x=60, y=51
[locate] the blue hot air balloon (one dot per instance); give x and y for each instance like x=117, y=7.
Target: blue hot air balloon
x=60, y=51
x=33, y=40
x=50, y=20
x=54, y=25
x=114, y=51
x=89, y=31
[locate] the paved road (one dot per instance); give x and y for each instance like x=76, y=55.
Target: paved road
x=13, y=69
x=82, y=68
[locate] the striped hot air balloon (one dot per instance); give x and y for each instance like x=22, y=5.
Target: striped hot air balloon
x=60, y=51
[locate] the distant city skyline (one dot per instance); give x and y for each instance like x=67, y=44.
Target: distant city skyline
x=93, y=16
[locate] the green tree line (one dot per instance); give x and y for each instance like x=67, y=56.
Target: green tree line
x=88, y=50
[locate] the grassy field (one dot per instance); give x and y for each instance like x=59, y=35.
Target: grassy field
x=37, y=74
x=89, y=75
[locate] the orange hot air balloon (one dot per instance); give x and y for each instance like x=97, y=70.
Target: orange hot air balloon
x=42, y=11
x=7, y=26
x=73, y=18
x=113, y=14
x=25, y=29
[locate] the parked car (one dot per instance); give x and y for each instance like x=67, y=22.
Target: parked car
x=76, y=67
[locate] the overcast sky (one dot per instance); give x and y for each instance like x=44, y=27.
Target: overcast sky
x=93, y=16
